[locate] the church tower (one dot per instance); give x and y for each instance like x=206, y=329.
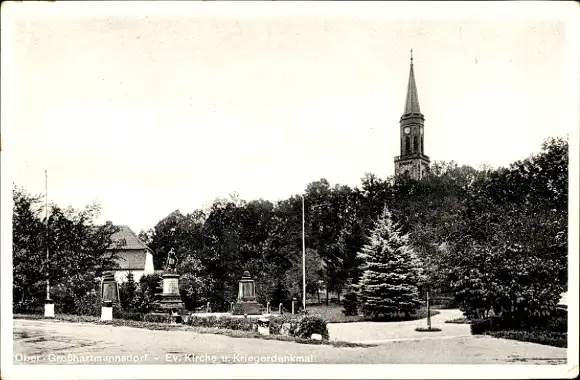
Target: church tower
x=412, y=161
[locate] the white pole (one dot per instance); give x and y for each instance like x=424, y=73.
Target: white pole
x=48, y=305
x=46, y=225
x=303, y=260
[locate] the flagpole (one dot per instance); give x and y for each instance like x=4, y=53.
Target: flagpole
x=303, y=261
x=46, y=232
x=48, y=306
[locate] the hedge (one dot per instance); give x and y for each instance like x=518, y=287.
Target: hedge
x=127, y=315
x=224, y=322
x=558, y=322
x=292, y=325
x=551, y=331
x=299, y=326
x=549, y=338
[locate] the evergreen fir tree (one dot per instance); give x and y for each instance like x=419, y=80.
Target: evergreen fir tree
x=127, y=292
x=391, y=271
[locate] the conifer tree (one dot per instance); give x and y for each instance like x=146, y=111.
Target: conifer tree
x=391, y=272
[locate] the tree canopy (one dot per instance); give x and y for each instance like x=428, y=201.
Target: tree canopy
x=487, y=236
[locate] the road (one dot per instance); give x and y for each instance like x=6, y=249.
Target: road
x=379, y=332
x=45, y=342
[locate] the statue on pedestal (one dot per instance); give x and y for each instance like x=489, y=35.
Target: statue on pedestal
x=170, y=299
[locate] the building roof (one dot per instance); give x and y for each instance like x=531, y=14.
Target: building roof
x=412, y=101
x=131, y=252
x=125, y=239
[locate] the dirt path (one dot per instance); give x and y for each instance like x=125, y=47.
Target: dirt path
x=379, y=332
x=71, y=343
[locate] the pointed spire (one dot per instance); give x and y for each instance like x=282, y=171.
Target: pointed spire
x=412, y=102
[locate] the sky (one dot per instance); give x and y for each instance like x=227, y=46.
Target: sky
x=149, y=108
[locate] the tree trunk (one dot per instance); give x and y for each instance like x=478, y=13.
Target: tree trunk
x=327, y=295
x=318, y=292
x=338, y=295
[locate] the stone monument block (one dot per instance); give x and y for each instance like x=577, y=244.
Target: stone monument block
x=247, y=304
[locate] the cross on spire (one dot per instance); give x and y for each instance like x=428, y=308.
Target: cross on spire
x=411, y=56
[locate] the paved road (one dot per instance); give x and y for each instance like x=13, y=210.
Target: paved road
x=71, y=343
x=380, y=332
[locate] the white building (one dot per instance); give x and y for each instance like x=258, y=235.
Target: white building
x=133, y=255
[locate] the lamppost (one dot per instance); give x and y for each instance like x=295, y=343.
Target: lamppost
x=303, y=260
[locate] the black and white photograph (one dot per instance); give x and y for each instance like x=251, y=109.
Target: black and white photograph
x=278, y=189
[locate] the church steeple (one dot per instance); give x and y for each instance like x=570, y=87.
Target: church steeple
x=412, y=161
x=412, y=102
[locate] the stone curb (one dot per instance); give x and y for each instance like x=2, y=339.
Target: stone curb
x=384, y=341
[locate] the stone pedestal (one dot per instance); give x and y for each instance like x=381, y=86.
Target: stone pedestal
x=106, y=313
x=247, y=303
x=170, y=300
x=248, y=308
x=49, y=309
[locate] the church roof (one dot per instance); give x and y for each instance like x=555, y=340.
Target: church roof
x=126, y=239
x=412, y=102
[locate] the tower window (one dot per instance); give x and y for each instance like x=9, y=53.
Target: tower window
x=407, y=145
x=415, y=144
x=422, y=148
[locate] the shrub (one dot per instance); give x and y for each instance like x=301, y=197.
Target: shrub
x=483, y=325
x=224, y=322
x=242, y=324
x=427, y=329
x=128, y=292
x=87, y=305
x=458, y=320
x=149, y=288
x=211, y=321
x=157, y=318
x=277, y=322
x=350, y=304
x=127, y=315
x=299, y=326
x=549, y=338
x=557, y=322
x=31, y=305
x=312, y=324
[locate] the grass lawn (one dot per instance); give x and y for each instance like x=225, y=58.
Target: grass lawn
x=334, y=314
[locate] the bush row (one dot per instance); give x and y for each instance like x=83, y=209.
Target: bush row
x=231, y=323
x=299, y=326
x=558, y=322
x=550, y=338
